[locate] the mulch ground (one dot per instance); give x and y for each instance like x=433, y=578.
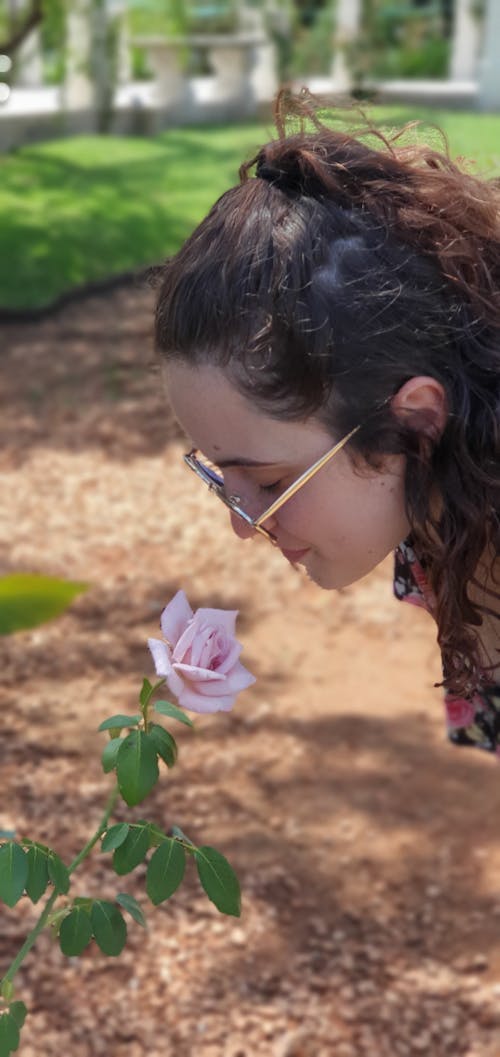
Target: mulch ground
x=367, y=847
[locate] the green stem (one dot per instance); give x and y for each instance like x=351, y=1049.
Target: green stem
x=32, y=936
x=103, y=825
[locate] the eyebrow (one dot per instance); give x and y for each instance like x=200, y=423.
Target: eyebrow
x=224, y=463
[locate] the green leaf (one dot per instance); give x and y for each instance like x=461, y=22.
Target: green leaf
x=109, y=928
x=165, y=744
x=129, y=903
x=165, y=871
x=219, y=880
x=133, y=850
x=27, y=599
x=19, y=1012
x=13, y=873
x=38, y=872
x=167, y=709
x=75, y=932
x=136, y=767
x=9, y=1034
x=109, y=754
x=114, y=836
x=119, y=722
x=145, y=692
x=58, y=873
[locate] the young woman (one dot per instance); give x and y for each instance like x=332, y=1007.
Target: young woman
x=331, y=333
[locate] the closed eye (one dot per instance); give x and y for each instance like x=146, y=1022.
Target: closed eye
x=270, y=487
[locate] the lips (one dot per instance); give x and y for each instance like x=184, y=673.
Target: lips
x=294, y=556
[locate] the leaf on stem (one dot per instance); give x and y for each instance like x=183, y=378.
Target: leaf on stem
x=219, y=880
x=58, y=873
x=13, y=873
x=19, y=1012
x=165, y=870
x=75, y=932
x=38, y=872
x=165, y=744
x=9, y=1034
x=109, y=928
x=109, y=754
x=165, y=708
x=119, y=721
x=29, y=599
x=114, y=836
x=145, y=692
x=136, y=767
x=133, y=849
x=132, y=906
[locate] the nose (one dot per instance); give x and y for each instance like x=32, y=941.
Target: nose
x=241, y=528
x=245, y=531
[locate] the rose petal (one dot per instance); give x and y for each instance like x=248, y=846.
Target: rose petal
x=175, y=683
x=161, y=656
x=197, y=703
x=185, y=641
x=230, y=660
x=175, y=616
x=232, y=683
x=217, y=618
x=197, y=675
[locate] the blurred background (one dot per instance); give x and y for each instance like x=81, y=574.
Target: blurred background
x=367, y=847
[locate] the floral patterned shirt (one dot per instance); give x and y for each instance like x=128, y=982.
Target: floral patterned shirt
x=473, y=720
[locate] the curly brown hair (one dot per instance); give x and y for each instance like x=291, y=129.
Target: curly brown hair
x=342, y=269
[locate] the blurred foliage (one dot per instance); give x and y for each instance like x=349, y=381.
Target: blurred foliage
x=85, y=208
x=177, y=17
x=399, y=40
x=29, y=599
x=311, y=49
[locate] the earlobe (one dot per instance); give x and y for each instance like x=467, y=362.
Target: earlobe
x=422, y=405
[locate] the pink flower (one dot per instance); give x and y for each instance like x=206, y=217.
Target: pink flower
x=460, y=712
x=200, y=656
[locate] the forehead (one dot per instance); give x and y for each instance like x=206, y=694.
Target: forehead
x=221, y=422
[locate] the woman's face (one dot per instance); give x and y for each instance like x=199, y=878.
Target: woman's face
x=339, y=525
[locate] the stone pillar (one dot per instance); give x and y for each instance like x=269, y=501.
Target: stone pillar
x=264, y=75
x=465, y=42
x=28, y=59
x=347, y=27
x=172, y=91
x=231, y=63
x=29, y=62
x=78, y=92
x=489, y=65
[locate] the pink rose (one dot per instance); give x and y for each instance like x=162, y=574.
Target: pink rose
x=200, y=656
x=459, y=711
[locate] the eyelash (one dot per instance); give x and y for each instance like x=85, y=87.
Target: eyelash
x=270, y=487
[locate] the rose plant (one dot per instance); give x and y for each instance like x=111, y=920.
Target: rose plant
x=198, y=659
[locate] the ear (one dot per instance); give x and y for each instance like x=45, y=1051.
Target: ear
x=422, y=405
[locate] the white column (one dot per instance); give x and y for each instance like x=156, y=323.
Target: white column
x=489, y=65
x=172, y=90
x=465, y=42
x=78, y=92
x=347, y=27
x=29, y=62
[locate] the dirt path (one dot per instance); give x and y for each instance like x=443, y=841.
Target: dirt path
x=367, y=847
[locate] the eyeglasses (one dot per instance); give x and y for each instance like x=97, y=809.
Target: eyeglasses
x=216, y=484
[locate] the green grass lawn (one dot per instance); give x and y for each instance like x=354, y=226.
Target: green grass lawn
x=89, y=207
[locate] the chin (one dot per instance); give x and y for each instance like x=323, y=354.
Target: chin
x=328, y=576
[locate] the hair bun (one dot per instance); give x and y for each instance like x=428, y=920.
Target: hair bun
x=288, y=169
